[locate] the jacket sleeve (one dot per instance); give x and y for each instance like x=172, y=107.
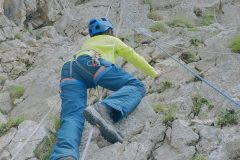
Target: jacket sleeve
x=131, y=56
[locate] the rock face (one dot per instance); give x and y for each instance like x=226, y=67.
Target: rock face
x=181, y=141
x=177, y=118
x=24, y=131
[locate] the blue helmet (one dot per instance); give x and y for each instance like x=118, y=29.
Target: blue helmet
x=98, y=26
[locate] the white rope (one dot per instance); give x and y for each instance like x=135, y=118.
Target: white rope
x=117, y=33
x=36, y=129
x=110, y=6
x=210, y=84
x=88, y=143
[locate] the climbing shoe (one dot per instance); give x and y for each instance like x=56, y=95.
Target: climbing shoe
x=67, y=158
x=99, y=116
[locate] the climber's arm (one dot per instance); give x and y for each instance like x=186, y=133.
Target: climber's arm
x=131, y=56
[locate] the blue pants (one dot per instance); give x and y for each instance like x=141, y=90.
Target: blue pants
x=128, y=93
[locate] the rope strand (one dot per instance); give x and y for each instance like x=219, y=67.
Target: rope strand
x=194, y=74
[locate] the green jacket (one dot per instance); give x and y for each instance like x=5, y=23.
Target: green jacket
x=111, y=47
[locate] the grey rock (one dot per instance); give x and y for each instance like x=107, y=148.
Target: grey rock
x=229, y=145
x=218, y=155
x=1, y=8
x=8, y=32
x=32, y=42
x=166, y=152
x=5, y=155
x=33, y=158
x=233, y=147
x=5, y=22
x=2, y=36
x=25, y=129
x=210, y=139
x=207, y=122
x=15, y=10
x=168, y=44
x=48, y=31
x=139, y=138
x=140, y=35
x=138, y=148
x=169, y=153
x=182, y=135
x=2, y=119
x=7, y=138
x=146, y=52
x=18, y=69
x=5, y=104
x=31, y=6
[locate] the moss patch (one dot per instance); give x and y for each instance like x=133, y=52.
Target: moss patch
x=159, y=27
x=234, y=44
x=189, y=57
x=168, y=112
x=44, y=149
x=196, y=42
x=164, y=86
x=18, y=36
x=4, y=128
x=207, y=19
x=39, y=35
x=199, y=157
x=198, y=103
x=228, y=117
x=194, y=29
x=16, y=92
x=150, y=3
x=158, y=107
x=154, y=15
x=183, y=22
x=169, y=116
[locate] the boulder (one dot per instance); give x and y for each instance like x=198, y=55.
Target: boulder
x=2, y=119
x=25, y=129
x=167, y=152
x=5, y=102
x=5, y=155
x=182, y=135
x=15, y=10
x=210, y=138
x=182, y=140
x=7, y=138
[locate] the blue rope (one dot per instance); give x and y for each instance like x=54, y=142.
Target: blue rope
x=210, y=84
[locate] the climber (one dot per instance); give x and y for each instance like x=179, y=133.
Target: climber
x=94, y=65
